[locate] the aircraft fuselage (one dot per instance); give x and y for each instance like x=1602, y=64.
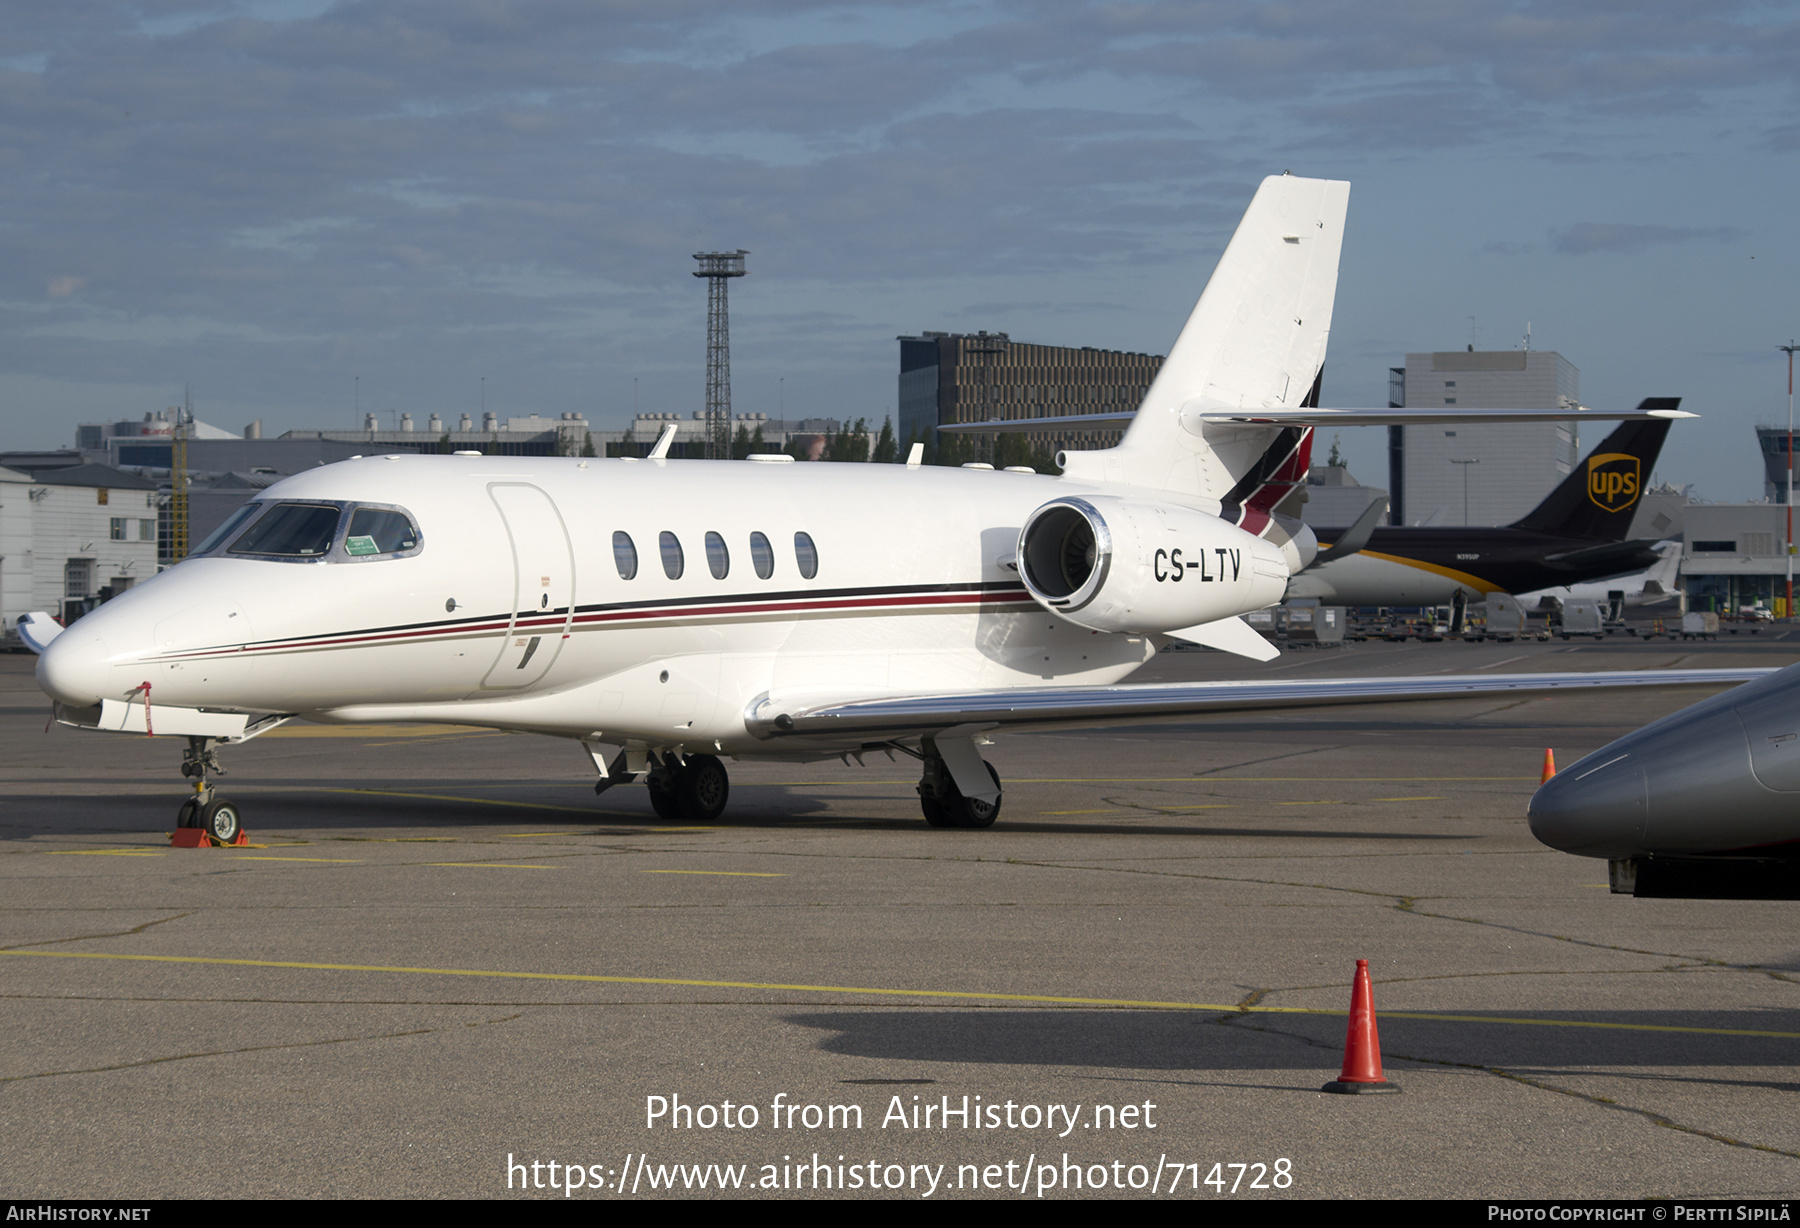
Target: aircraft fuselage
x=1404, y=566
x=644, y=601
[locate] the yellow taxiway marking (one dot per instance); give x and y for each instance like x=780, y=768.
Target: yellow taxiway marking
x=717, y=873
x=101, y=853
x=336, y=861
x=520, y=835
x=1409, y=799
x=875, y=991
x=479, y=801
x=489, y=865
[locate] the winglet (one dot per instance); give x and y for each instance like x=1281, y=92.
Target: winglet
x=37, y=629
x=1232, y=635
x=1356, y=536
x=661, y=450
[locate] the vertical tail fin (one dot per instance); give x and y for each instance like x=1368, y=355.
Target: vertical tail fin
x=1256, y=339
x=1599, y=499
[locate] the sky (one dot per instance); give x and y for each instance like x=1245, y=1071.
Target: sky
x=295, y=208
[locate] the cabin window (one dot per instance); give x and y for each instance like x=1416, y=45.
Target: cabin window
x=807, y=555
x=233, y=523
x=671, y=554
x=379, y=530
x=762, y=556
x=291, y=530
x=718, y=559
x=624, y=555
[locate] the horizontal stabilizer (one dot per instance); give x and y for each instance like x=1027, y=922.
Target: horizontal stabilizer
x=1422, y=417
x=1232, y=635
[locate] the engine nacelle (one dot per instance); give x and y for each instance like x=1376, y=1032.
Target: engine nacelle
x=1119, y=565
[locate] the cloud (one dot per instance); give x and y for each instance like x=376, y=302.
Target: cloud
x=1585, y=238
x=63, y=287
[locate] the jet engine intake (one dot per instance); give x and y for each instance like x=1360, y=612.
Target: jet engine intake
x=1124, y=566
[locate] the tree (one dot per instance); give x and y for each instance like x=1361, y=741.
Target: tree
x=587, y=444
x=740, y=442
x=851, y=443
x=887, y=451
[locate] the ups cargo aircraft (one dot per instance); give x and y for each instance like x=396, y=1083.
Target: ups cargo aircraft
x=1576, y=534
x=1701, y=804
x=667, y=614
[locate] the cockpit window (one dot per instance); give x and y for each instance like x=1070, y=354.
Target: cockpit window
x=375, y=530
x=232, y=524
x=291, y=530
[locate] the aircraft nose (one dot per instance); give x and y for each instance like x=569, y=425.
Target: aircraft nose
x=77, y=668
x=1596, y=810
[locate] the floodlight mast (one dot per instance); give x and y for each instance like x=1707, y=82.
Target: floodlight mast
x=717, y=267
x=1788, y=609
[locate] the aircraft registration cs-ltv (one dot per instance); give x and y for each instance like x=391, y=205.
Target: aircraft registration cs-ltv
x=668, y=614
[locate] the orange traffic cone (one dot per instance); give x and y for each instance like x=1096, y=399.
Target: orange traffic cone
x=1362, y=1047
x=1549, y=767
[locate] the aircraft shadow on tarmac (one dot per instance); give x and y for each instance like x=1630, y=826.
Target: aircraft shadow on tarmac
x=306, y=810
x=1183, y=1040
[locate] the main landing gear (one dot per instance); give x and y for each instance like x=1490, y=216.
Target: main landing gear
x=694, y=788
x=944, y=803
x=215, y=817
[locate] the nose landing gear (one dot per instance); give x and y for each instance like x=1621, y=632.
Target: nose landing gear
x=205, y=817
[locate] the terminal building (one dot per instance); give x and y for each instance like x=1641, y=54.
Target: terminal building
x=972, y=377
x=70, y=538
x=1481, y=473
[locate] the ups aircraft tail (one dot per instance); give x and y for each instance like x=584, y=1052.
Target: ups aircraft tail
x=1598, y=500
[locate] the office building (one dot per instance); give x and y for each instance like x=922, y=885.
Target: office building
x=1483, y=473
x=972, y=377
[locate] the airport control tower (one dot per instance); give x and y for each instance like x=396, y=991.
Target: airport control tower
x=718, y=268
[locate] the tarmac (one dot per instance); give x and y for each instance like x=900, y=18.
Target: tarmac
x=443, y=966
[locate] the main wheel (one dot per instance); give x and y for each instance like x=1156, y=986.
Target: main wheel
x=220, y=820
x=975, y=813
x=935, y=812
x=702, y=788
x=188, y=815
x=665, y=789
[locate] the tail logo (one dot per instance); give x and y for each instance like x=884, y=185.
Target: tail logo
x=1613, y=480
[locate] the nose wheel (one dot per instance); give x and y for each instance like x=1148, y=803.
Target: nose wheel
x=206, y=818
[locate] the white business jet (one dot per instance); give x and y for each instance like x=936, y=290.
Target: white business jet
x=666, y=614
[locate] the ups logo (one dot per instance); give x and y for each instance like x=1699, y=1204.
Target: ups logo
x=1613, y=480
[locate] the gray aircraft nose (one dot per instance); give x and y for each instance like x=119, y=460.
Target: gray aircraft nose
x=1596, y=807
x=1719, y=776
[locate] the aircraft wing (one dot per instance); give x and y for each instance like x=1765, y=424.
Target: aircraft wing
x=1026, y=708
x=1628, y=555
